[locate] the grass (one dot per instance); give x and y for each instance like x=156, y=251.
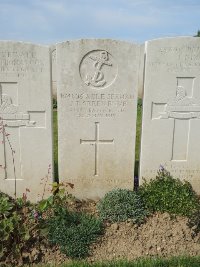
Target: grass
x=183, y=261
x=138, y=130
x=55, y=135
x=138, y=138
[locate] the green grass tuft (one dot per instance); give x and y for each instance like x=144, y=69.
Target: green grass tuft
x=182, y=261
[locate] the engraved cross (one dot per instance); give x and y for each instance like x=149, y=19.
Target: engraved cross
x=96, y=142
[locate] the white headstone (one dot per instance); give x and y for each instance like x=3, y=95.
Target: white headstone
x=25, y=124
x=171, y=115
x=97, y=100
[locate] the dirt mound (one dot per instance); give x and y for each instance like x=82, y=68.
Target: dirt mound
x=161, y=235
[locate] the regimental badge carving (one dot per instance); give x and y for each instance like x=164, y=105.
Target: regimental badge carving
x=182, y=106
x=98, y=69
x=6, y=106
x=9, y=113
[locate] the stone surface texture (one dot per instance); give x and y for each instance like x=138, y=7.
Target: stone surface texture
x=97, y=99
x=171, y=109
x=25, y=124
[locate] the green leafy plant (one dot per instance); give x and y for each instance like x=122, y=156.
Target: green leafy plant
x=13, y=233
x=5, y=206
x=120, y=205
x=69, y=230
x=59, y=197
x=73, y=232
x=23, y=224
x=166, y=194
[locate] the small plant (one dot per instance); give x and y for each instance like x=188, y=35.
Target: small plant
x=59, y=197
x=166, y=194
x=73, y=232
x=139, y=103
x=13, y=233
x=54, y=103
x=5, y=206
x=120, y=205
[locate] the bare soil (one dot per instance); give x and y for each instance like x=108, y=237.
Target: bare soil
x=159, y=236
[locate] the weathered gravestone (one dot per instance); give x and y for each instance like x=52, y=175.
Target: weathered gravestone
x=171, y=115
x=25, y=120
x=97, y=98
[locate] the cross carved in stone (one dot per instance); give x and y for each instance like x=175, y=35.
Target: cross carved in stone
x=96, y=142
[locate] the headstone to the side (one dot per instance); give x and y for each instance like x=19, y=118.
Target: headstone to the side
x=171, y=115
x=25, y=120
x=97, y=101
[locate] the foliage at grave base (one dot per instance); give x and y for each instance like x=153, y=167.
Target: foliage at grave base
x=13, y=232
x=73, y=232
x=22, y=224
x=166, y=194
x=120, y=205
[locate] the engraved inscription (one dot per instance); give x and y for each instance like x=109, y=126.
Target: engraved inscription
x=182, y=171
x=176, y=59
x=181, y=108
x=98, y=69
x=96, y=142
x=97, y=105
x=20, y=63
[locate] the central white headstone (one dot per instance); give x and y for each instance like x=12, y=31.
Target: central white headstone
x=25, y=120
x=97, y=106
x=171, y=116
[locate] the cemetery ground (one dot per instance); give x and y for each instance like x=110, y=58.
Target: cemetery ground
x=157, y=226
